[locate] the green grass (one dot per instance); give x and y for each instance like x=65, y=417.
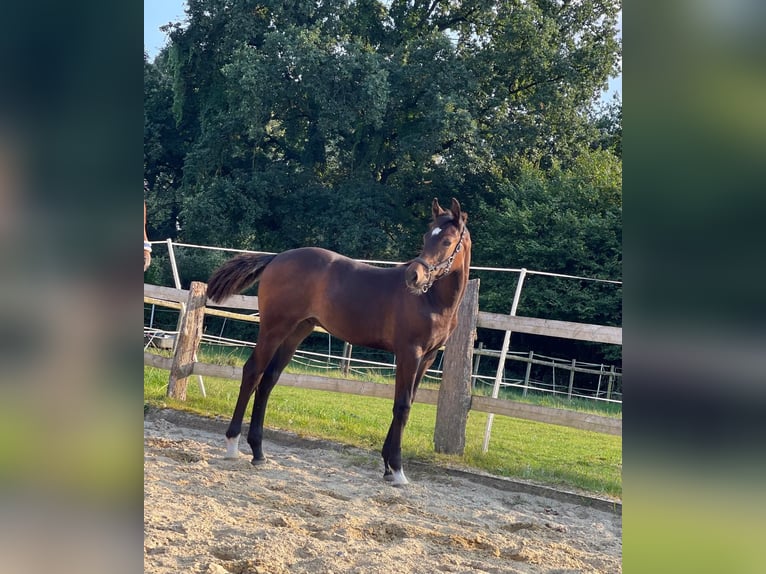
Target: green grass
x=541, y=453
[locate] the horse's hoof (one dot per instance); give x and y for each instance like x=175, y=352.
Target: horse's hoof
x=398, y=478
x=388, y=476
x=258, y=461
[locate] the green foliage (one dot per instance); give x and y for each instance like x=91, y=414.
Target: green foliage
x=567, y=221
x=563, y=220
x=165, y=148
x=608, y=121
x=272, y=125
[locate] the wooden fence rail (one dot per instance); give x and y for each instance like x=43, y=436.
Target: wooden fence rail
x=456, y=396
x=550, y=328
x=583, y=421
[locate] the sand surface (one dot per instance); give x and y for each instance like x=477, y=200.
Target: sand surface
x=322, y=508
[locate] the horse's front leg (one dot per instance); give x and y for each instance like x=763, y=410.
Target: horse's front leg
x=407, y=369
x=392, y=447
x=388, y=474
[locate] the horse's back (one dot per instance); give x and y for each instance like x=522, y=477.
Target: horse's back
x=350, y=299
x=311, y=266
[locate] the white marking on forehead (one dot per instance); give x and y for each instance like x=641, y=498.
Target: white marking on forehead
x=436, y=231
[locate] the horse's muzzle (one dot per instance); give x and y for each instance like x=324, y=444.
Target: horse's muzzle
x=416, y=278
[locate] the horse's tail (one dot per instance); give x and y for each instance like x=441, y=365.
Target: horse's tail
x=236, y=275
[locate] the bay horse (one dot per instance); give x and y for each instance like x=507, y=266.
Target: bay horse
x=409, y=310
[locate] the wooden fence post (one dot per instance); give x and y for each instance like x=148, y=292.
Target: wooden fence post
x=528, y=372
x=189, y=336
x=346, y=362
x=571, y=379
x=454, y=400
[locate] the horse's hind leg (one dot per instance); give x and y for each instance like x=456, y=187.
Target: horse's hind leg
x=247, y=387
x=252, y=373
x=271, y=375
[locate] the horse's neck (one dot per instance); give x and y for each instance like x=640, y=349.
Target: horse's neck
x=448, y=291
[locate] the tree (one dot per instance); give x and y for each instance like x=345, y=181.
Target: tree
x=334, y=123
x=566, y=221
x=607, y=119
x=164, y=149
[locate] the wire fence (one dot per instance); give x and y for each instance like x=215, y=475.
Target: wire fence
x=539, y=374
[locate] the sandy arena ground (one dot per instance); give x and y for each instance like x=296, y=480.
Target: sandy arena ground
x=315, y=507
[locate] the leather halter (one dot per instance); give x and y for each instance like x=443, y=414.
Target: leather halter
x=445, y=264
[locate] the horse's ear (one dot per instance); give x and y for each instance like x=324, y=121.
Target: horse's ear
x=456, y=212
x=436, y=209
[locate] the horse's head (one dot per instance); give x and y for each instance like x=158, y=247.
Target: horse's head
x=446, y=245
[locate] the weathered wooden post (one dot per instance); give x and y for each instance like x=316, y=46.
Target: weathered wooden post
x=189, y=336
x=455, y=390
x=346, y=361
x=177, y=281
x=571, y=378
x=528, y=372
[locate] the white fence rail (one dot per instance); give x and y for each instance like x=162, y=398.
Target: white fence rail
x=176, y=300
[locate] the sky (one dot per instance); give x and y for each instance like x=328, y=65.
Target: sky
x=159, y=12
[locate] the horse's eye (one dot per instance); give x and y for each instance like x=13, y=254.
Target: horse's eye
x=446, y=243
